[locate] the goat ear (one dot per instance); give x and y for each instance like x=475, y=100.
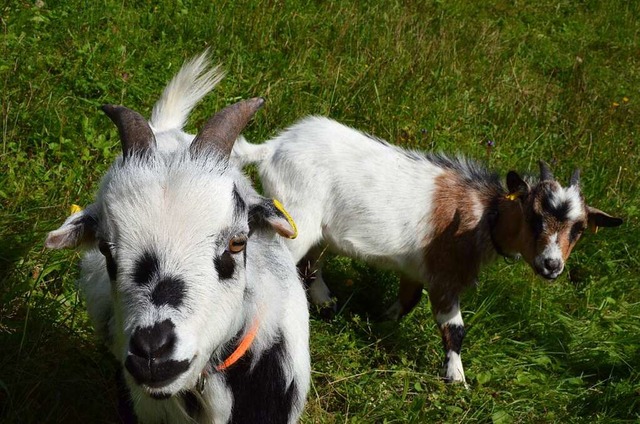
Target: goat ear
x=222, y=130
x=597, y=218
x=271, y=213
x=77, y=229
x=516, y=185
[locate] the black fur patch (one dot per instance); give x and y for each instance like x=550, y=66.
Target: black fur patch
x=240, y=205
x=452, y=336
x=169, y=291
x=473, y=173
x=225, y=265
x=260, y=394
x=146, y=266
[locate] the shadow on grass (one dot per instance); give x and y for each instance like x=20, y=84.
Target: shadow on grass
x=51, y=374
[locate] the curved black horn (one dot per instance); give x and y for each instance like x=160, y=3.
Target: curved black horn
x=222, y=130
x=545, y=172
x=575, y=178
x=135, y=132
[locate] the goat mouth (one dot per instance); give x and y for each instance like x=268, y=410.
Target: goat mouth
x=549, y=276
x=160, y=395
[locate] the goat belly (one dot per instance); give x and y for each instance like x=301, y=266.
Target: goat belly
x=261, y=393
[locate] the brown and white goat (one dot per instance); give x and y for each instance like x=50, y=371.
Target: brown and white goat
x=434, y=219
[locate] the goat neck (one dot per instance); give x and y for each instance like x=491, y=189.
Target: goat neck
x=508, y=226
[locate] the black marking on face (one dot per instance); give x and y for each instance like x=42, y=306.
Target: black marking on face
x=225, y=265
x=239, y=203
x=260, y=393
x=146, y=266
x=452, y=336
x=559, y=212
x=169, y=291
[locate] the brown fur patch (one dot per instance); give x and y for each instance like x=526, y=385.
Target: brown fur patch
x=452, y=253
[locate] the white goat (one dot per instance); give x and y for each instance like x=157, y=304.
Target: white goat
x=184, y=277
x=433, y=218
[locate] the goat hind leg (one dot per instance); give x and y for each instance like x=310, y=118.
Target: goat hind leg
x=409, y=296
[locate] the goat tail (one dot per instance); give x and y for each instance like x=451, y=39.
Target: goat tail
x=244, y=153
x=194, y=80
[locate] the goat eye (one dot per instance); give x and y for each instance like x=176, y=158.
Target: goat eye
x=576, y=231
x=537, y=225
x=105, y=248
x=237, y=243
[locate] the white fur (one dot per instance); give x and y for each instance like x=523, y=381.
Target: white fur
x=454, y=370
x=570, y=195
x=336, y=182
x=453, y=317
x=181, y=208
x=551, y=251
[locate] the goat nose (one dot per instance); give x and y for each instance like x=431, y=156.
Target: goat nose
x=149, y=360
x=552, y=264
x=154, y=342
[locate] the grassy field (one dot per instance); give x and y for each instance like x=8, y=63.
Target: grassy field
x=555, y=80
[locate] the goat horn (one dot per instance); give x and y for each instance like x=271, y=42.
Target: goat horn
x=135, y=133
x=223, y=128
x=575, y=178
x=545, y=172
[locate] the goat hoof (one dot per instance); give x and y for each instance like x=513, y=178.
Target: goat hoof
x=394, y=313
x=327, y=310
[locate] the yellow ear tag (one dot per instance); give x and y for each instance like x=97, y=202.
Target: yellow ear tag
x=281, y=208
x=74, y=209
x=512, y=196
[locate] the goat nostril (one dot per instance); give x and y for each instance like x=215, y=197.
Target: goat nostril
x=154, y=342
x=552, y=264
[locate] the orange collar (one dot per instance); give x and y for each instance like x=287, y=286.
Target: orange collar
x=243, y=346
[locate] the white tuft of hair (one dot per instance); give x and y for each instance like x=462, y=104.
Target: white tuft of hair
x=194, y=80
x=244, y=153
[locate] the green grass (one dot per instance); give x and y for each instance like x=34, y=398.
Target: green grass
x=554, y=80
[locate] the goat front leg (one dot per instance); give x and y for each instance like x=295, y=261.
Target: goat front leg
x=446, y=310
x=310, y=269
